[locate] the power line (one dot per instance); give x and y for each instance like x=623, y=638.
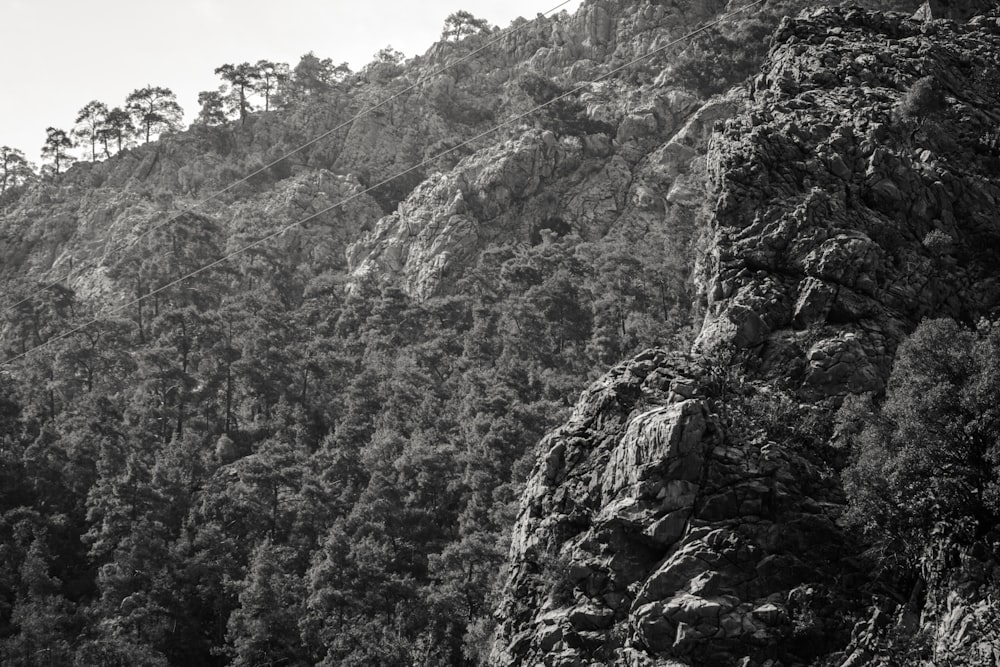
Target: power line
x=198, y=204
x=354, y=196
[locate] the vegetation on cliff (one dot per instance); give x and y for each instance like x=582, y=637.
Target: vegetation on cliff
x=317, y=453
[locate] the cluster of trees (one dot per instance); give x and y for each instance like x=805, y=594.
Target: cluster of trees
x=146, y=111
x=923, y=483
x=462, y=24
x=268, y=81
x=257, y=468
x=929, y=456
x=246, y=87
x=15, y=170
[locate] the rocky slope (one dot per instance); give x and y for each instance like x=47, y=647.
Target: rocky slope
x=586, y=185
x=436, y=103
x=661, y=526
x=689, y=511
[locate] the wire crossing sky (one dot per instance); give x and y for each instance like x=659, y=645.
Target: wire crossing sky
x=62, y=54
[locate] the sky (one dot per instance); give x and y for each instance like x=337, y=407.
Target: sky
x=61, y=54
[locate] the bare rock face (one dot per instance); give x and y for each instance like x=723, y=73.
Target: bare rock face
x=588, y=184
x=826, y=197
x=613, y=491
x=652, y=531
x=647, y=533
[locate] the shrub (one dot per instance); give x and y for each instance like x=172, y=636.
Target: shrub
x=931, y=456
x=938, y=242
x=921, y=100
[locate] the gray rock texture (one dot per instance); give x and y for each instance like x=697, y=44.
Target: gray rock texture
x=657, y=529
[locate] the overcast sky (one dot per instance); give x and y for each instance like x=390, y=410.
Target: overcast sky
x=61, y=54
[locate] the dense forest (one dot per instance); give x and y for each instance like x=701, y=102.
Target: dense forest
x=288, y=476
x=272, y=461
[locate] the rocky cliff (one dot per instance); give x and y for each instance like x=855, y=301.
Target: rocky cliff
x=689, y=510
x=513, y=181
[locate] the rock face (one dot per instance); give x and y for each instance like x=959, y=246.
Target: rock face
x=657, y=531
x=88, y=223
x=646, y=533
x=589, y=185
x=506, y=187
x=827, y=199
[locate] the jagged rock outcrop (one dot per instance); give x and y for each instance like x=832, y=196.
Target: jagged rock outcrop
x=655, y=529
x=647, y=533
x=827, y=198
x=539, y=180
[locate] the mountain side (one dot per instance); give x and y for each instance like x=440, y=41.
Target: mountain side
x=690, y=510
x=340, y=434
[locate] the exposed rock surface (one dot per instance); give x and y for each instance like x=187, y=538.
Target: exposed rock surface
x=511, y=184
x=826, y=198
x=652, y=532
x=510, y=191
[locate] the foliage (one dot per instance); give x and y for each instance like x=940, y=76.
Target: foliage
x=89, y=123
x=118, y=127
x=921, y=100
x=385, y=65
x=243, y=79
x=462, y=24
x=312, y=78
x=56, y=149
x=560, y=111
x=267, y=469
x=154, y=109
x=724, y=56
x=929, y=455
x=213, y=108
x=15, y=170
x=939, y=242
x=271, y=76
x=258, y=466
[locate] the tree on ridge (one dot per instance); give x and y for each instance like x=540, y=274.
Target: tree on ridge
x=154, y=108
x=56, y=148
x=270, y=77
x=242, y=79
x=118, y=127
x=14, y=168
x=89, y=122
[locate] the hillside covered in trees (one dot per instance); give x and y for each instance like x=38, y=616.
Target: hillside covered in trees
x=295, y=385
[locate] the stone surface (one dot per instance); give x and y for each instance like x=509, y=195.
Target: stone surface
x=512, y=189
x=814, y=269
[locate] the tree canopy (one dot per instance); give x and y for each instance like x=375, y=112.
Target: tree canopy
x=930, y=455
x=89, y=122
x=462, y=24
x=56, y=149
x=15, y=169
x=243, y=79
x=154, y=109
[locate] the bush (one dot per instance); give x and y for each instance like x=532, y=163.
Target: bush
x=921, y=100
x=563, y=114
x=931, y=456
x=938, y=242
